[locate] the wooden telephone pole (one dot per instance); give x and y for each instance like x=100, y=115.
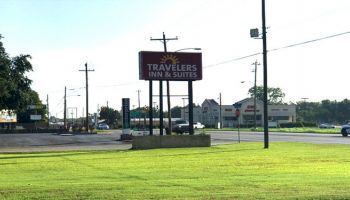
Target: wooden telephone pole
x=86, y=70
x=164, y=40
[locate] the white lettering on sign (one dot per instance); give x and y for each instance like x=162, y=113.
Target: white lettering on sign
x=172, y=71
x=171, y=67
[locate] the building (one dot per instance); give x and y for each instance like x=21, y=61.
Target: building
x=276, y=113
x=209, y=113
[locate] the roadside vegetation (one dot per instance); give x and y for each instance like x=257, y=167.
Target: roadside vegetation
x=236, y=171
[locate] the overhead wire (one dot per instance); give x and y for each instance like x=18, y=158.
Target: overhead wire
x=279, y=48
x=239, y=58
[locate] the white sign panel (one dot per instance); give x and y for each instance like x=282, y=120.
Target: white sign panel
x=35, y=117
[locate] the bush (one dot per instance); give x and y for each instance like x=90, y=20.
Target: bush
x=297, y=124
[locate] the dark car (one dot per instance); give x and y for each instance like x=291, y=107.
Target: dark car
x=181, y=126
x=345, y=130
x=326, y=125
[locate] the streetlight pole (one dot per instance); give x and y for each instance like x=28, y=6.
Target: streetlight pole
x=266, y=126
x=196, y=48
x=65, y=109
x=190, y=98
x=220, y=117
x=255, y=66
x=138, y=95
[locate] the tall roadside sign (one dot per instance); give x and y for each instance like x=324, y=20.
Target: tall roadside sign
x=176, y=66
x=171, y=66
x=126, y=115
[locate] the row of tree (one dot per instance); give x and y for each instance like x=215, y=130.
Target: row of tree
x=309, y=112
x=337, y=112
x=15, y=91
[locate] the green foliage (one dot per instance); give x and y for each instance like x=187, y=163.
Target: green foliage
x=176, y=112
x=324, y=111
x=274, y=95
x=15, y=91
x=297, y=124
x=110, y=115
x=238, y=171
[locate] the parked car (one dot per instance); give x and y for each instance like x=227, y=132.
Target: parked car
x=103, y=126
x=326, y=125
x=198, y=125
x=181, y=126
x=345, y=130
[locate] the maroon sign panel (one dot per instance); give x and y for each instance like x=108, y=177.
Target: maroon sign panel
x=175, y=66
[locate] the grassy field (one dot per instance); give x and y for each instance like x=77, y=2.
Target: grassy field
x=237, y=171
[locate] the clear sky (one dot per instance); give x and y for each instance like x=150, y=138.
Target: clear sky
x=62, y=35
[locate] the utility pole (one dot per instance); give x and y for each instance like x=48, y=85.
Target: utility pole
x=255, y=66
x=164, y=40
x=138, y=96
x=266, y=126
x=48, y=111
x=86, y=70
x=220, y=118
x=65, y=109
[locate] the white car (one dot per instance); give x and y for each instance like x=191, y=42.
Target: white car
x=103, y=126
x=198, y=125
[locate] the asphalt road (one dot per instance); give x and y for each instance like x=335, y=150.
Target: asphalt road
x=55, y=142
x=109, y=140
x=220, y=137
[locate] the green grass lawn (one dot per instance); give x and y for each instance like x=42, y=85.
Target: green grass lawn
x=237, y=171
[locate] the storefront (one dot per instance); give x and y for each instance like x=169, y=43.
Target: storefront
x=209, y=113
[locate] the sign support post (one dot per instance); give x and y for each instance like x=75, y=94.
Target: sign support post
x=190, y=107
x=150, y=110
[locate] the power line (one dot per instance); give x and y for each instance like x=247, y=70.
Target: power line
x=232, y=60
x=279, y=48
x=310, y=41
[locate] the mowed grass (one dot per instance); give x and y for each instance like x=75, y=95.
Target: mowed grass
x=237, y=171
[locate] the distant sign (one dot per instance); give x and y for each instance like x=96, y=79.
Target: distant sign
x=254, y=33
x=33, y=107
x=177, y=66
x=126, y=113
x=35, y=117
x=237, y=112
x=8, y=116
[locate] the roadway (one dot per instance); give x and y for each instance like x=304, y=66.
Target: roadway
x=225, y=137
x=109, y=140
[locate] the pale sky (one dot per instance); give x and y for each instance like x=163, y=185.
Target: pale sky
x=62, y=35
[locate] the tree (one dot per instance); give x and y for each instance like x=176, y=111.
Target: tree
x=324, y=111
x=274, y=95
x=176, y=112
x=5, y=63
x=110, y=115
x=15, y=91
